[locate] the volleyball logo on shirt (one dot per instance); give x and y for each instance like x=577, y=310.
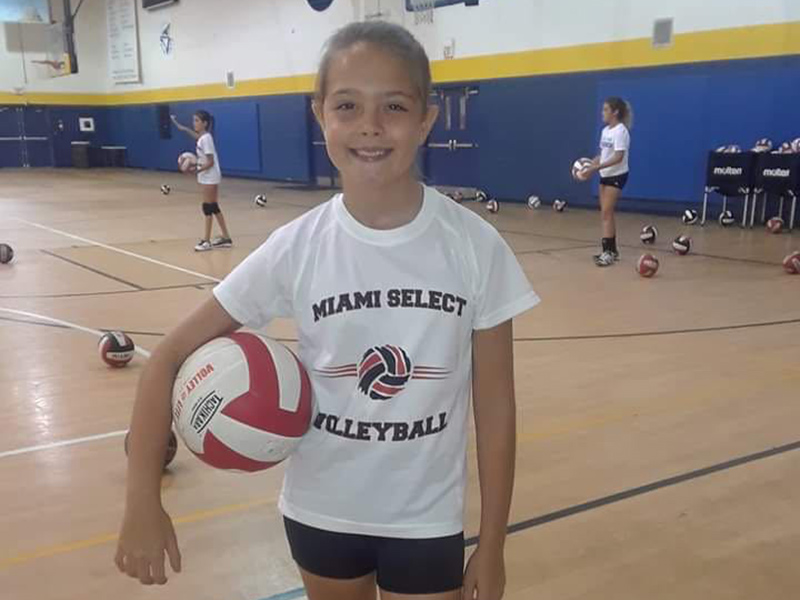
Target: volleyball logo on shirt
x=384, y=371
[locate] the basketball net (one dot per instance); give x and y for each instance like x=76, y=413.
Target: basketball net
x=423, y=11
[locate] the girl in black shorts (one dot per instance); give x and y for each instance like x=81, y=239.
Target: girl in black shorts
x=612, y=163
x=403, y=302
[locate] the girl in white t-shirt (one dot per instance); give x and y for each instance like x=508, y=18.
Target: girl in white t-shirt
x=403, y=302
x=612, y=163
x=209, y=176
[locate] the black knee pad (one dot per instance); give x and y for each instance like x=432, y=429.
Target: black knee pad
x=215, y=208
x=207, y=209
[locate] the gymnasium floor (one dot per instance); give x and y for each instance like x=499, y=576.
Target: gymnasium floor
x=621, y=382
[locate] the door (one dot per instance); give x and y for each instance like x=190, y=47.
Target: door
x=451, y=154
x=36, y=133
x=10, y=136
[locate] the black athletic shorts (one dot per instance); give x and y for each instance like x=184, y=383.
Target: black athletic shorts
x=402, y=566
x=618, y=181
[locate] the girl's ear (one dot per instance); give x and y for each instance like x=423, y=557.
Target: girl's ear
x=431, y=115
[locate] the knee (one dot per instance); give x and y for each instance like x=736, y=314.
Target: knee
x=607, y=213
x=210, y=209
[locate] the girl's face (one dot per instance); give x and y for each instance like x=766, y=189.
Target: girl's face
x=198, y=124
x=372, y=116
x=608, y=114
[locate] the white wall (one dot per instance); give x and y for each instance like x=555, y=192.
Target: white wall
x=19, y=44
x=262, y=39
x=259, y=39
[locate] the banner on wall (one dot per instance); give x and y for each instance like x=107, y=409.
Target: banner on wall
x=123, y=41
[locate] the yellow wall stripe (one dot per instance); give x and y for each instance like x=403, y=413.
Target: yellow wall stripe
x=761, y=41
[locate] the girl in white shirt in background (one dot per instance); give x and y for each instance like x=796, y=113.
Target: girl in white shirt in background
x=209, y=176
x=612, y=163
x=403, y=302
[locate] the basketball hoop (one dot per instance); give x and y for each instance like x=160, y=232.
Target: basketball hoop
x=423, y=10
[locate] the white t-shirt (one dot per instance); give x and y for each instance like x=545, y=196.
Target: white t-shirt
x=385, y=321
x=615, y=139
x=205, y=146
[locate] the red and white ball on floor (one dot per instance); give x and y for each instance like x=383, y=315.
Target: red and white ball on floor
x=242, y=402
x=775, y=225
x=116, y=349
x=647, y=265
x=791, y=264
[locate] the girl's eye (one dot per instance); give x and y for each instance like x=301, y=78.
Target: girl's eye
x=346, y=106
x=397, y=107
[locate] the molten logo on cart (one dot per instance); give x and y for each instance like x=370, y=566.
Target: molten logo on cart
x=781, y=173
x=728, y=171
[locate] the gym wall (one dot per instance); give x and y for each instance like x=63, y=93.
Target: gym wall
x=542, y=68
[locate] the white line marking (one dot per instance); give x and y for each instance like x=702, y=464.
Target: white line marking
x=119, y=250
x=23, y=313
x=83, y=440
x=72, y=442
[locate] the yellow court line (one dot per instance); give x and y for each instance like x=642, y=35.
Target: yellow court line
x=99, y=540
x=737, y=43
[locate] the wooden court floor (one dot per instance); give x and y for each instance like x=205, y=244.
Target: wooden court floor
x=658, y=419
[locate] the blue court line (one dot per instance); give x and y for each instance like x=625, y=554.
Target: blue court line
x=613, y=498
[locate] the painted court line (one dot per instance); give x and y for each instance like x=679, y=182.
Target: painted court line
x=72, y=442
x=135, y=286
x=118, y=250
x=68, y=324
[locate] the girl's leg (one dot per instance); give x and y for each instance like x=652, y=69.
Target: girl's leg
x=211, y=195
x=322, y=588
x=207, y=233
x=222, y=225
x=454, y=595
x=609, y=196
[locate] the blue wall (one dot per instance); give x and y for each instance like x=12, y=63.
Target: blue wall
x=529, y=129
x=265, y=137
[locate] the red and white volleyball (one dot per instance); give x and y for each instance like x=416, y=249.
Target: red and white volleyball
x=791, y=264
x=775, y=225
x=647, y=265
x=242, y=402
x=116, y=348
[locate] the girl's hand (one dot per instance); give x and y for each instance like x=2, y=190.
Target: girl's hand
x=174, y=119
x=147, y=533
x=485, y=577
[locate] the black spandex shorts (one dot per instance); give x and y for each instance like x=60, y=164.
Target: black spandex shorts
x=402, y=566
x=618, y=181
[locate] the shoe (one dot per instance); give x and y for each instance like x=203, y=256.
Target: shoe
x=203, y=246
x=222, y=242
x=605, y=259
x=616, y=256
